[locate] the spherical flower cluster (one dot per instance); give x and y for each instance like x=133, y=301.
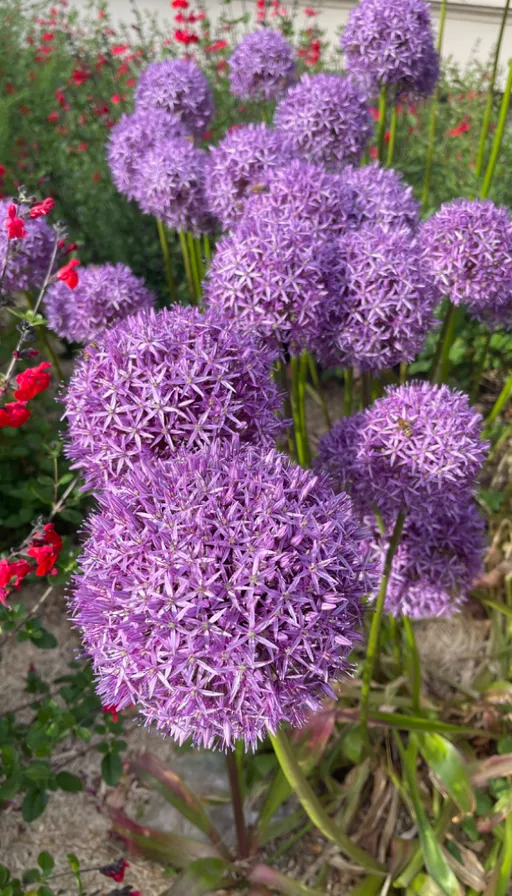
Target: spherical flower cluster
x=468, y=248
x=130, y=140
x=177, y=86
x=262, y=66
x=237, y=166
x=105, y=294
x=390, y=43
x=159, y=382
x=171, y=185
x=419, y=445
x=439, y=556
x=337, y=458
x=272, y=280
x=322, y=201
x=221, y=593
x=30, y=258
x=386, y=304
x=381, y=197
x=325, y=119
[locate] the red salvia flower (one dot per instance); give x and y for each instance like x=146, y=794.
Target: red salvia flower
x=179, y=4
x=216, y=47
x=14, y=414
x=15, y=226
x=116, y=869
x=33, y=381
x=112, y=710
x=67, y=273
x=45, y=556
x=42, y=208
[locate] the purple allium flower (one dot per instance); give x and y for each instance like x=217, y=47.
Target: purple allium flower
x=337, y=458
x=177, y=86
x=325, y=119
x=159, y=382
x=390, y=42
x=170, y=185
x=385, y=305
x=105, y=294
x=239, y=164
x=130, y=140
x=221, y=593
x=468, y=248
x=439, y=556
x=29, y=258
x=381, y=197
x=262, y=66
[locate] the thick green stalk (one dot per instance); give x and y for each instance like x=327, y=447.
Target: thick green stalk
x=297, y=398
x=196, y=277
x=237, y=803
x=188, y=269
x=383, y=108
x=415, y=667
x=207, y=247
x=433, y=116
x=498, y=137
x=199, y=256
x=281, y=377
x=319, y=390
x=490, y=95
x=392, y=136
x=440, y=369
x=313, y=807
x=303, y=375
x=373, y=639
x=167, y=261
x=501, y=400
x=347, y=394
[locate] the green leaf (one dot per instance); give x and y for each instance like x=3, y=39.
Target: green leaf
x=505, y=871
x=423, y=885
x=5, y=875
x=34, y=805
x=38, y=772
x=46, y=862
x=168, y=849
x=369, y=886
x=201, y=876
x=111, y=768
x=448, y=765
x=43, y=639
x=10, y=788
x=269, y=877
x=31, y=876
x=45, y=891
x=68, y=782
x=71, y=516
x=73, y=862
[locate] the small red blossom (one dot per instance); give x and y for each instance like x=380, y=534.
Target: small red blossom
x=45, y=556
x=14, y=225
x=216, y=47
x=374, y=112
x=59, y=96
x=115, y=99
x=130, y=82
x=179, y=4
x=372, y=152
x=14, y=414
x=3, y=170
x=53, y=117
x=48, y=36
x=82, y=147
x=17, y=570
x=461, y=129
x=116, y=869
x=67, y=273
x=309, y=11
x=32, y=381
x=50, y=536
x=184, y=36
x=112, y=710
x=80, y=76
x=96, y=176
x=42, y=208
x=119, y=49
x=70, y=247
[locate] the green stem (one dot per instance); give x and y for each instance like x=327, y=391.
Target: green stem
x=282, y=379
x=207, y=247
x=480, y=368
x=490, y=95
x=403, y=373
x=347, y=395
x=441, y=369
x=392, y=136
x=395, y=639
x=373, y=639
x=237, y=802
x=303, y=376
x=167, y=261
x=313, y=807
x=433, y=116
x=297, y=412
x=502, y=399
x=319, y=390
x=199, y=256
x=366, y=388
x=383, y=105
x=414, y=664
x=498, y=137
x=188, y=269
x=42, y=334
x=196, y=277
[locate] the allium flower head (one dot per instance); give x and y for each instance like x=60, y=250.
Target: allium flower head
x=325, y=119
x=262, y=66
x=381, y=197
x=105, y=294
x=30, y=258
x=337, y=458
x=468, y=248
x=386, y=304
x=390, y=42
x=177, y=86
x=159, y=382
x=438, y=558
x=221, y=593
x=170, y=185
x=130, y=140
x=237, y=166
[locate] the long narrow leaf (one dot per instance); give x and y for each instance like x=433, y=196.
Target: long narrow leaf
x=202, y=876
x=506, y=860
x=168, y=849
x=448, y=764
x=414, y=723
x=269, y=877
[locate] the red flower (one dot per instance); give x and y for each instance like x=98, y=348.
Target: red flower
x=112, y=710
x=68, y=275
x=14, y=414
x=16, y=570
x=82, y=147
x=45, y=556
x=70, y=247
x=374, y=113
x=32, y=381
x=461, y=129
x=130, y=82
x=53, y=117
x=59, y=96
x=42, y=208
x=180, y=18
x=48, y=36
x=2, y=170
x=309, y=11
x=179, y=4
x=79, y=76
x=217, y=46
x=184, y=36
x=15, y=226
x=119, y=49
x=116, y=870
x=115, y=99
x=52, y=537
x=372, y=152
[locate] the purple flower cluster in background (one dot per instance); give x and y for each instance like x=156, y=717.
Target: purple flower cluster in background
x=390, y=43
x=262, y=67
x=382, y=197
x=179, y=87
x=28, y=261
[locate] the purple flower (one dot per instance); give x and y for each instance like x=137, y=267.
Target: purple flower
x=439, y=556
x=170, y=185
x=29, y=258
x=325, y=119
x=417, y=447
x=130, y=140
x=390, y=42
x=239, y=164
x=381, y=197
x=221, y=593
x=159, y=382
x=385, y=302
x=468, y=249
x=177, y=86
x=105, y=294
x=262, y=66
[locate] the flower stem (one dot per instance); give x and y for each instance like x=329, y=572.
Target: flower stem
x=167, y=261
x=383, y=105
x=490, y=95
x=207, y=247
x=415, y=666
x=498, y=137
x=188, y=269
x=237, y=802
x=502, y=399
x=347, y=395
x=392, y=136
x=196, y=277
x=479, y=369
x=42, y=333
x=199, y=256
x=319, y=390
x=313, y=807
x=403, y=372
x=298, y=409
x=441, y=366
x=433, y=116
x=373, y=639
